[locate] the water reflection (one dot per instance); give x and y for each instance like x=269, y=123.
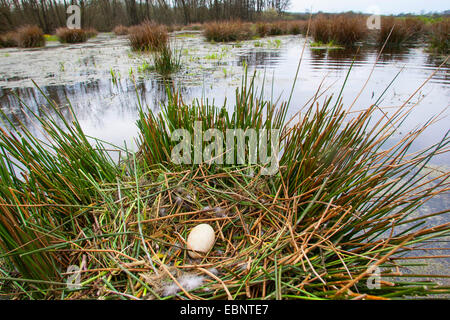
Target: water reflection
x=395, y=54
x=106, y=109
x=337, y=59
x=259, y=58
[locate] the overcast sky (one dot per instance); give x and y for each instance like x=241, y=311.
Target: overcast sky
x=385, y=6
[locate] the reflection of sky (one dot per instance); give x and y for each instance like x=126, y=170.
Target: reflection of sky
x=109, y=111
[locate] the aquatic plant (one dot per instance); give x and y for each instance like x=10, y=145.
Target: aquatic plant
x=120, y=30
x=297, y=27
x=30, y=37
x=416, y=26
x=321, y=29
x=264, y=29
x=51, y=37
x=227, y=31
x=341, y=29
x=278, y=28
x=115, y=76
x=66, y=35
x=394, y=32
x=91, y=32
x=439, y=36
x=148, y=36
x=8, y=40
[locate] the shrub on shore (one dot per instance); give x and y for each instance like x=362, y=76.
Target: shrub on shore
x=281, y=28
x=174, y=27
x=340, y=29
x=227, y=31
x=30, y=37
x=8, y=40
x=120, y=30
x=439, y=36
x=193, y=27
x=66, y=35
x=297, y=27
x=396, y=28
x=148, y=36
x=416, y=26
x=91, y=33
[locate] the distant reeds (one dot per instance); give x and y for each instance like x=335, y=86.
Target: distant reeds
x=297, y=27
x=30, y=37
x=440, y=36
x=91, y=32
x=321, y=29
x=148, y=36
x=66, y=35
x=120, y=30
x=394, y=32
x=227, y=31
x=416, y=26
x=8, y=40
x=339, y=29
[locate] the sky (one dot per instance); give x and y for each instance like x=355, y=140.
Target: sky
x=370, y=6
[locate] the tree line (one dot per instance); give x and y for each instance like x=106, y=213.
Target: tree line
x=104, y=15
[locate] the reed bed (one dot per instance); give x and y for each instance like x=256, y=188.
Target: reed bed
x=120, y=30
x=91, y=33
x=8, y=40
x=340, y=205
x=227, y=31
x=66, y=35
x=339, y=29
x=148, y=36
x=30, y=37
x=439, y=36
x=394, y=32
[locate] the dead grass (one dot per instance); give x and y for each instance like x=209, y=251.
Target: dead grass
x=120, y=30
x=148, y=36
x=30, y=37
x=439, y=36
x=227, y=31
x=341, y=29
x=66, y=35
x=8, y=40
x=400, y=31
x=91, y=32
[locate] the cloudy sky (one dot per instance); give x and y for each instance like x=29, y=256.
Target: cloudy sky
x=384, y=6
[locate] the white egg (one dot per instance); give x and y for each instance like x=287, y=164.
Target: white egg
x=201, y=239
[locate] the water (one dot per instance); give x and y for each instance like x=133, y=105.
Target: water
x=83, y=75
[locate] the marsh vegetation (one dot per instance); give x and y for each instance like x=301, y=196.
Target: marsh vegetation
x=351, y=195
